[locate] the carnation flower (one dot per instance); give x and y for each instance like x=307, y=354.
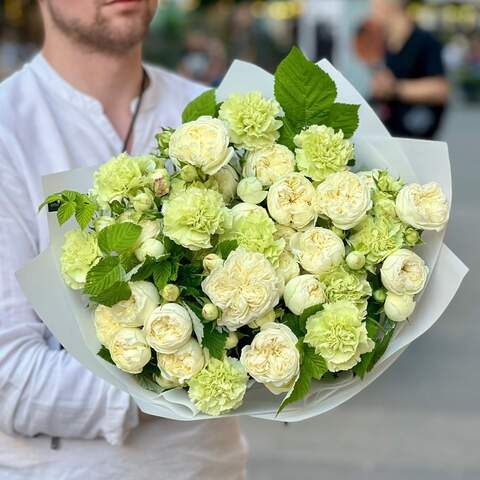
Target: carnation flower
x=191, y=217
x=251, y=120
x=80, y=253
x=219, y=387
x=338, y=334
x=321, y=152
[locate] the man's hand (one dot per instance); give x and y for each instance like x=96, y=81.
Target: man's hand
x=384, y=85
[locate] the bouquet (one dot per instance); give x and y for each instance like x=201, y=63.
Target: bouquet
x=249, y=251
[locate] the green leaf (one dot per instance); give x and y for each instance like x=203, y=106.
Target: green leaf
x=146, y=270
x=205, y=104
x=161, y=274
x=119, y=237
x=84, y=210
x=128, y=260
x=214, y=340
x=146, y=381
x=293, y=322
x=54, y=197
x=307, y=313
x=105, y=354
x=116, y=293
x=103, y=275
x=305, y=92
x=117, y=207
x=226, y=247
x=343, y=116
x=65, y=212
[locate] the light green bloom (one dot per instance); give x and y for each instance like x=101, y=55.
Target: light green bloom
x=388, y=184
x=376, y=238
x=255, y=231
x=219, y=387
x=344, y=284
x=321, y=152
x=163, y=141
x=338, y=334
x=191, y=217
x=383, y=205
x=251, y=120
x=80, y=252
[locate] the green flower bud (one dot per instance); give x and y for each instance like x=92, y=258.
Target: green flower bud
x=210, y=311
x=163, y=141
x=338, y=231
x=380, y=295
x=412, y=237
x=355, y=260
x=232, y=341
x=212, y=261
x=170, y=292
x=188, y=173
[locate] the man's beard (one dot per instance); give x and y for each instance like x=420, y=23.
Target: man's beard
x=99, y=36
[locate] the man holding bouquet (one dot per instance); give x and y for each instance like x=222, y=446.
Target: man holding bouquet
x=84, y=99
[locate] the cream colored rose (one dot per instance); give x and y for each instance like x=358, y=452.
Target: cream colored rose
x=244, y=288
x=135, y=311
x=227, y=180
x=269, y=164
x=398, y=307
x=344, y=198
x=285, y=233
x=129, y=350
x=303, y=292
x=423, y=206
x=292, y=201
x=183, y=364
x=273, y=358
x=203, y=143
x=318, y=250
x=250, y=190
x=150, y=248
x=404, y=273
x=168, y=328
x=150, y=229
x=105, y=325
x=288, y=267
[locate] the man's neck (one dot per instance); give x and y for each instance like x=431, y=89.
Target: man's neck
x=398, y=32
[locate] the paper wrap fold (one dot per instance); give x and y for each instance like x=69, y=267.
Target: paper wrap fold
x=65, y=313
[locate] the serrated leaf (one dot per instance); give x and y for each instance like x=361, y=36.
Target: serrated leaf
x=146, y=270
x=116, y=293
x=105, y=354
x=128, y=260
x=103, y=275
x=293, y=322
x=119, y=237
x=343, y=116
x=84, y=211
x=204, y=104
x=70, y=195
x=313, y=363
x=226, y=247
x=65, y=212
x=307, y=313
x=54, y=197
x=214, y=340
x=161, y=274
x=117, y=207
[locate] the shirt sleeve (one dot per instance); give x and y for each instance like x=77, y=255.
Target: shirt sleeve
x=42, y=390
x=432, y=57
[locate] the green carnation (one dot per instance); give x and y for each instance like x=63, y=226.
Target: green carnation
x=388, y=184
x=344, y=284
x=321, y=152
x=383, y=204
x=80, y=253
x=377, y=237
x=338, y=334
x=251, y=120
x=219, y=387
x=254, y=230
x=192, y=216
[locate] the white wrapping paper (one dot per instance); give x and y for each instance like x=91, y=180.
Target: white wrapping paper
x=67, y=316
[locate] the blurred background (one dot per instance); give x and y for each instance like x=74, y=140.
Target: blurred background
x=421, y=419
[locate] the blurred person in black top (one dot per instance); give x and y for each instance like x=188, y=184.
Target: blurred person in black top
x=411, y=89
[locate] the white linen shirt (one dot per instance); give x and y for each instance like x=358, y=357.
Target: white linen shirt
x=48, y=126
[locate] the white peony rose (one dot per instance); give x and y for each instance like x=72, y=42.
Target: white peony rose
x=203, y=143
x=318, y=250
x=129, y=350
x=398, y=307
x=105, y=326
x=250, y=190
x=404, y=273
x=285, y=233
x=288, y=267
x=168, y=328
x=183, y=364
x=227, y=180
x=423, y=206
x=292, y=201
x=273, y=358
x=150, y=248
x=269, y=164
x=344, y=198
x=135, y=311
x=244, y=288
x=303, y=292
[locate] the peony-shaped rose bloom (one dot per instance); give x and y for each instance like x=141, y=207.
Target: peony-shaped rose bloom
x=135, y=311
x=150, y=248
x=80, y=253
x=250, y=190
x=254, y=230
x=398, y=307
x=105, y=325
x=168, y=328
x=244, y=288
x=219, y=387
x=203, y=143
x=288, y=267
x=318, y=250
x=303, y=292
x=321, y=152
x=344, y=198
x=251, y=120
x=404, y=273
x=423, y=206
x=284, y=232
x=227, y=180
x=183, y=364
x=129, y=350
x=150, y=229
x=191, y=217
x=338, y=334
x=292, y=201
x=269, y=164
x=273, y=358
